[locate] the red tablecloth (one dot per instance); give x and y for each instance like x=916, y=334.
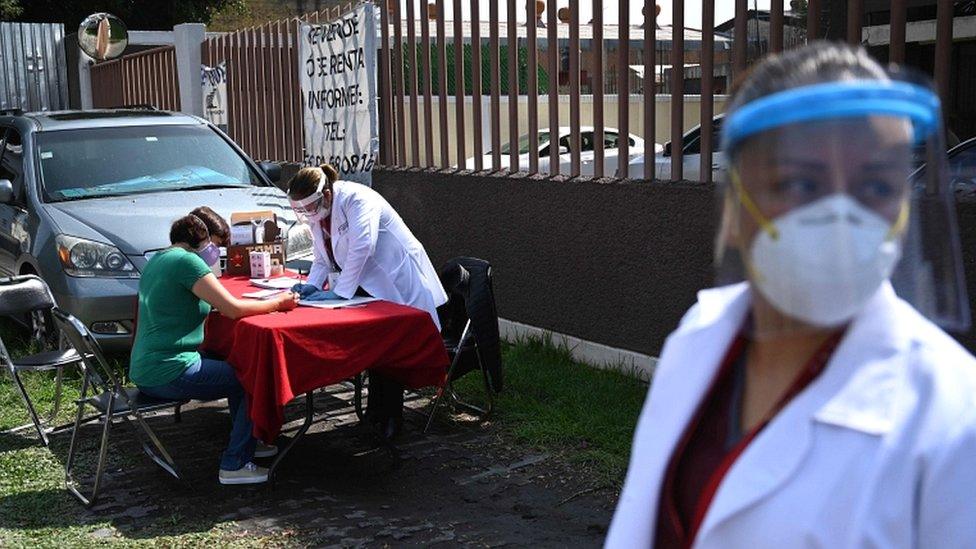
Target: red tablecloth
x=281, y=355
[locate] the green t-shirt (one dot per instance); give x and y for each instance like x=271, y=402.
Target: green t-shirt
x=171, y=317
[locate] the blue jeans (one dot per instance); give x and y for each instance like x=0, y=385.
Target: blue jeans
x=210, y=379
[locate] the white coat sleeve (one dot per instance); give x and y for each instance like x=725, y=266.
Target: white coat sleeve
x=947, y=505
x=363, y=216
x=321, y=266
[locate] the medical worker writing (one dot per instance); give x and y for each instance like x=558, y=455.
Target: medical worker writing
x=361, y=242
x=816, y=404
x=361, y=245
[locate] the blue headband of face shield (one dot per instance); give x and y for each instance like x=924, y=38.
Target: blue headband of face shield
x=850, y=99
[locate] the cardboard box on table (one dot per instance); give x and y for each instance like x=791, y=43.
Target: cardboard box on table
x=260, y=264
x=254, y=232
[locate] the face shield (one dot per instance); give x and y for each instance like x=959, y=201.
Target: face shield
x=835, y=189
x=311, y=208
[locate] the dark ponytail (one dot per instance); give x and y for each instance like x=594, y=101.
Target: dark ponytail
x=217, y=226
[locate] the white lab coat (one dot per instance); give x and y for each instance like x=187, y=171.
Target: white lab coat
x=879, y=451
x=375, y=250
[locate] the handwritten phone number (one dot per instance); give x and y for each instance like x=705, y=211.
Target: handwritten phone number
x=360, y=163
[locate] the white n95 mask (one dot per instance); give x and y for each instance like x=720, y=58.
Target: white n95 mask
x=822, y=262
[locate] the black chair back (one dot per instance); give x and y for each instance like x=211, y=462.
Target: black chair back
x=453, y=316
x=471, y=295
x=24, y=294
x=97, y=368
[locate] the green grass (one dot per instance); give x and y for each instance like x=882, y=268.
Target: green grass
x=40, y=386
x=558, y=404
x=35, y=508
x=550, y=402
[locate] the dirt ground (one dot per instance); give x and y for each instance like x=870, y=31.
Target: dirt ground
x=463, y=484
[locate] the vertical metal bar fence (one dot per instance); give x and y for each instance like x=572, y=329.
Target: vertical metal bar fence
x=623, y=91
x=531, y=48
x=678, y=89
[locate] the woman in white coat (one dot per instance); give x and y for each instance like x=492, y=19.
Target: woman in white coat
x=360, y=242
x=361, y=245
x=812, y=405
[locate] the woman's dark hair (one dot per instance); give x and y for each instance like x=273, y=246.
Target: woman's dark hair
x=307, y=180
x=217, y=226
x=816, y=63
x=189, y=230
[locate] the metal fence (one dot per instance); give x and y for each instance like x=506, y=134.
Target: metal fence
x=33, y=70
x=454, y=90
x=263, y=90
x=517, y=46
x=264, y=109
x=144, y=78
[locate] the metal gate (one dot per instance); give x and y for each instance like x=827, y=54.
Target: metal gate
x=144, y=78
x=33, y=69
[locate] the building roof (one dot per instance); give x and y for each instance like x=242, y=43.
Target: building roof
x=789, y=19
x=663, y=37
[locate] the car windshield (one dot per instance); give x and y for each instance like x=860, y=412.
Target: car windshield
x=101, y=162
x=524, y=144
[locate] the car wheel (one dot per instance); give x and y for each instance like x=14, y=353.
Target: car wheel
x=43, y=333
x=42, y=330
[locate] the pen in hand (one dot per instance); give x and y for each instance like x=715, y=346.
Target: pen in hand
x=286, y=302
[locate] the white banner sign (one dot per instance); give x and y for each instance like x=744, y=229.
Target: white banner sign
x=214, y=81
x=338, y=76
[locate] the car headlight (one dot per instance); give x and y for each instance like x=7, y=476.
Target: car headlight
x=89, y=259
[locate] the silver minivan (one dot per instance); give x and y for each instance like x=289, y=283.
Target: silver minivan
x=86, y=197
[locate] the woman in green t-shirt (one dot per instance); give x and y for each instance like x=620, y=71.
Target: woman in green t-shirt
x=176, y=293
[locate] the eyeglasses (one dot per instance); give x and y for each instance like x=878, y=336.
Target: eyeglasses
x=308, y=205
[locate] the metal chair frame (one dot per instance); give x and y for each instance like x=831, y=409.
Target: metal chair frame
x=463, y=346
x=112, y=402
x=455, y=277
x=44, y=361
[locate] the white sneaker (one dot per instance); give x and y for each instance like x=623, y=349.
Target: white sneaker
x=249, y=474
x=262, y=450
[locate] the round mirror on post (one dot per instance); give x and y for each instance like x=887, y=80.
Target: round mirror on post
x=102, y=36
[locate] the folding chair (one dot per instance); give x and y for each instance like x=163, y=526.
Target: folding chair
x=111, y=401
x=469, y=327
x=24, y=295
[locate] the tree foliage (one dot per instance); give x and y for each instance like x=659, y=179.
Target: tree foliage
x=137, y=14
x=9, y=9
x=799, y=7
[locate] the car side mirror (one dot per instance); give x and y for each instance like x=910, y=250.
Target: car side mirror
x=6, y=191
x=563, y=150
x=271, y=169
x=667, y=149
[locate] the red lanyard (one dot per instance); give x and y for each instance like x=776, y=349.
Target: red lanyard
x=328, y=242
x=813, y=368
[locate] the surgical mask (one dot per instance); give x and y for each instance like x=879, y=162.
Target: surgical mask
x=210, y=254
x=822, y=262
x=313, y=208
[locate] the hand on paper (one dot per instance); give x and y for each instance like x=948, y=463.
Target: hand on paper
x=287, y=301
x=324, y=295
x=305, y=290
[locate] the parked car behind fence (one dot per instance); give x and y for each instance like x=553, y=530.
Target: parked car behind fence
x=691, y=156
x=611, y=148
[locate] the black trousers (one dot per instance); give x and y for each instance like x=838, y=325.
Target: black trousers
x=385, y=399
